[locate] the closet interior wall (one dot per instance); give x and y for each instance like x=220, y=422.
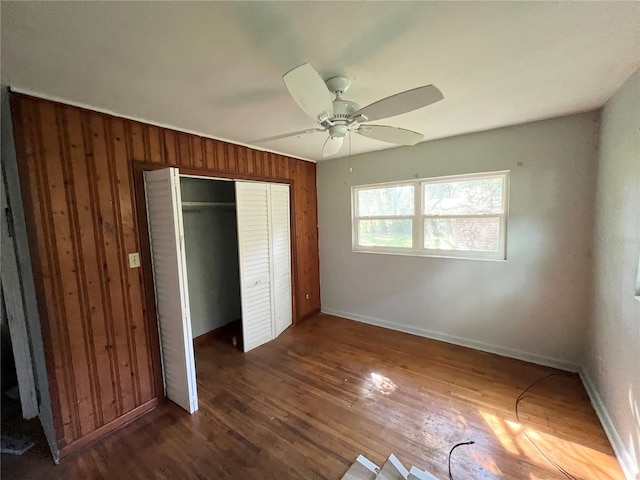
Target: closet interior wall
x=211, y=248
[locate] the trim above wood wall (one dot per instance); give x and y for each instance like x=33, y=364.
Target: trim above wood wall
x=106, y=111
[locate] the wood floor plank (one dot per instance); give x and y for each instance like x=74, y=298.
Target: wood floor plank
x=307, y=404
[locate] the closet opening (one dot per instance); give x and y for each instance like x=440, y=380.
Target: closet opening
x=213, y=271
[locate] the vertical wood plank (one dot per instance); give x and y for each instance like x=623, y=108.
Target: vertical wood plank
x=184, y=150
x=82, y=165
x=313, y=282
x=170, y=150
x=103, y=136
x=117, y=144
x=156, y=150
x=251, y=162
x=231, y=157
x=62, y=210
x=241, y=159
x=275, y=162
x=221, y=157
x=286, y=170
x=298, y=193
x=131, y=280
x=33, y=170
x=257, y=164
x=264, y=162
x=197, y=151
x=268, y=158
x=210, y=154
x=136, y=140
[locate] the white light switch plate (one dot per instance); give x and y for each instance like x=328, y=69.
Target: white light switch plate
x=134, y=260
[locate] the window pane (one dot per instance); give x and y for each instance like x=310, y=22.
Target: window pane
x=386, y=201
x=385, y=233
x=468, y=196
x=476, y=234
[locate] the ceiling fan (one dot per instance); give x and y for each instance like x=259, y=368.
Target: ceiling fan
x=339, y=117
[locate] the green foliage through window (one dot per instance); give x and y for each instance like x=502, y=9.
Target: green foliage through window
x=465, y=214
x=386, y=233
x=378, y=202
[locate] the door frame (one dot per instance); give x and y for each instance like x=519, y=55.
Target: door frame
x=142, y=230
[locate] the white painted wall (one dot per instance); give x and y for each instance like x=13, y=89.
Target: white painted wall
x=612, y=361
x=532, y=306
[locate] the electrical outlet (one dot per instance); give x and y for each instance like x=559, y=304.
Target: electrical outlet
x=134, y=260
x=306, y=296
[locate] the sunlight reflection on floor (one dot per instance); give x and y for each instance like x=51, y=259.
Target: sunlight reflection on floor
x=581, y=461
x=488, y=464
x=501, y=432
x=382, y=384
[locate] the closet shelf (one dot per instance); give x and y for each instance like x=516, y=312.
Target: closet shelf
x=198, y=205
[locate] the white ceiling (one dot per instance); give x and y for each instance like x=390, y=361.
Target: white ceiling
x=215, y=68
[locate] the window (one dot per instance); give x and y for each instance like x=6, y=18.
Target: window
x=458, y=216
x=386, y=216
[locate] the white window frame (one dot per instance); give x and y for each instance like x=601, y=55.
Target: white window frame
x=419, y=217
x=355, y=219
x=637, y=290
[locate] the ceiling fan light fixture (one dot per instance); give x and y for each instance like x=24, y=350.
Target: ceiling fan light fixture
x=338, y=131
x=332, y=145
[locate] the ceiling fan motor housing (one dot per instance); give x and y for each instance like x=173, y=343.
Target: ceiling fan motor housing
x=344, y=108
x=340, y=122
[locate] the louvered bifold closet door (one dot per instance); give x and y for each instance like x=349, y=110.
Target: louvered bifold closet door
x=252, y=207
x=281, y=248
x=164, y=213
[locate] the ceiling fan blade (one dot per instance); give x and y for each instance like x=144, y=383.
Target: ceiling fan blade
x=400, y=103
x=286, y=135
x=309, y=91
x=332, y=146
x=399, y=136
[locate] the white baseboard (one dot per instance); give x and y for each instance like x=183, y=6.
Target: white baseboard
x=625, y=459
x=463, y=342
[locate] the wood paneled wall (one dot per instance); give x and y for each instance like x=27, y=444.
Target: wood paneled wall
x=77, y=180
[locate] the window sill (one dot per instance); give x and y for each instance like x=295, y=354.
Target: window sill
x=428, y=255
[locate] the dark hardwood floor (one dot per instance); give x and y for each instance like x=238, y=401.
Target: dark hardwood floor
x=305, y=405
